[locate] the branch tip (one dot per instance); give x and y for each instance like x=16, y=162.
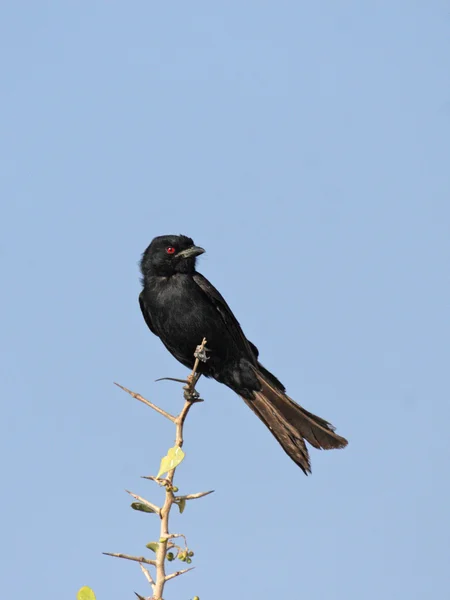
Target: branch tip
x=177, y=573
x=155, y=508
x=140, y=559
x=147, y=402
x=194, y=496
x=147, y=575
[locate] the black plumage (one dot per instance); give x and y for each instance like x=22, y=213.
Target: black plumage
x=182, y=307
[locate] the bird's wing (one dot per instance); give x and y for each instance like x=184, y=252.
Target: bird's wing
x=254, y=349
x=230, y=321
x=146, y=313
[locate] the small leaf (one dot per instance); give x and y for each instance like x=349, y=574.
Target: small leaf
x=181, y=504
x=85, y=593
x=152, y=546
x=173, y=458
x=141, y=507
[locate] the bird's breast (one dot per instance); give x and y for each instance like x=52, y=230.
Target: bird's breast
x=179, y=313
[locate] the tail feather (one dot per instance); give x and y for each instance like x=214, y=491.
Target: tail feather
x=318, y=432
x=286, y=435
x=291, y=424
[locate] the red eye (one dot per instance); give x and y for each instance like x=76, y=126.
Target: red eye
x=170, y=250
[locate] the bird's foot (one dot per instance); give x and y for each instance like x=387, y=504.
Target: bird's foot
x=200, y=353
x=191, y=395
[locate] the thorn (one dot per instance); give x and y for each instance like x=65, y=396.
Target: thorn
x=195, y=496
x=158, y=480
x=150, y=505
x=122, y=387
x=178, y=573
x=140, y=559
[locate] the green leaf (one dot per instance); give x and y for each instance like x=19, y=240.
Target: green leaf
x=85, y=593
x=173, y=458
x=152, y=546
x=181, y=504
x=141, y=507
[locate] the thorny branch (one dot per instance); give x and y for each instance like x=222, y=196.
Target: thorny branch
x=191, y=397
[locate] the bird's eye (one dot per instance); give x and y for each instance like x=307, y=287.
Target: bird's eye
x=170, y=250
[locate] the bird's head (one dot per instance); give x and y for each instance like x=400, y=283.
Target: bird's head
x=170, y=254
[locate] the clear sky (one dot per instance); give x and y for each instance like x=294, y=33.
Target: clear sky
x=306, y=146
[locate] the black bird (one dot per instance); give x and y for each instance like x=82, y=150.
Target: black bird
x=182, y=307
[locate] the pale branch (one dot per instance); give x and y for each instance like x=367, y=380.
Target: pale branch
x=140, y=559
x=154, y=508
x=147, y=402
x=194, y=496
x=158, y=480
x=147, y=575
x=182, y=572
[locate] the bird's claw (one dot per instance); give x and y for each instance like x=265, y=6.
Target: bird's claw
x=191, y=395
x=173, y=379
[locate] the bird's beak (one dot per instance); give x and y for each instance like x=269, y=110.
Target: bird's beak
x=190, y=252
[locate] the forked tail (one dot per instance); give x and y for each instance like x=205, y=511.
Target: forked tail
x=289, y=423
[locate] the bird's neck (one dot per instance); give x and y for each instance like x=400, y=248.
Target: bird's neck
x=151, y=279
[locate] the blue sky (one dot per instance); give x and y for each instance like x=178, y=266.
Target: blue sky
x=306, y=146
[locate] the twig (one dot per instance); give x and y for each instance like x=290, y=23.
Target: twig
x=158, y=480
x=194, y=496
x=154, y=508
x=147, y=402
x=172, y=536
x=140, y=559
x=147, y=575
x=173, y=575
